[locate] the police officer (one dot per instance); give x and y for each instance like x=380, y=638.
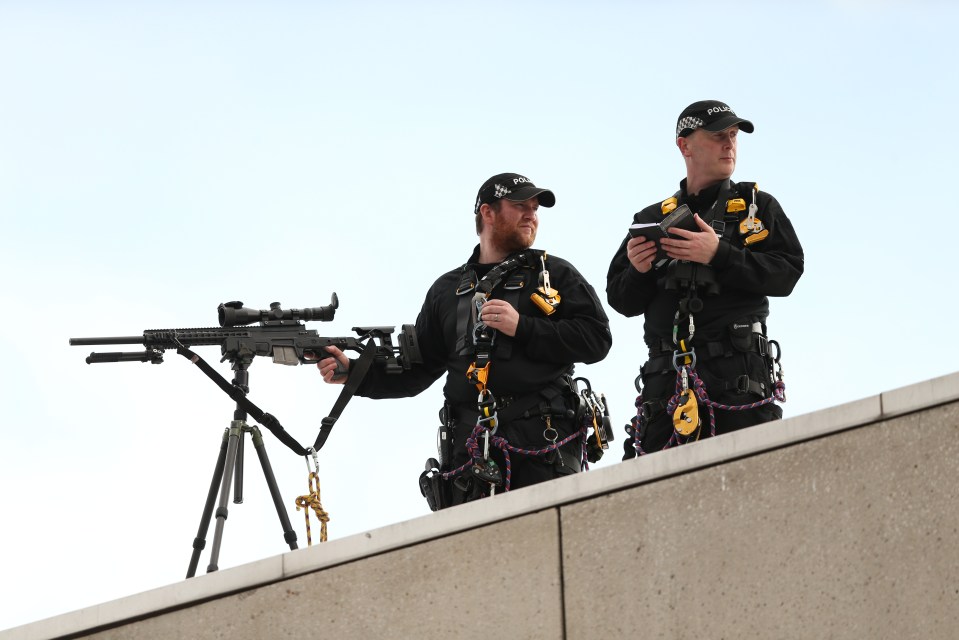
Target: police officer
x=708, y=297
x=506, y=328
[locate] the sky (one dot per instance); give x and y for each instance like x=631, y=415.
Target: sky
x=158, y=159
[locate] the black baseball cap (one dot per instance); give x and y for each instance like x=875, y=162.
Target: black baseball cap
x=711, y=115
x=514, y=187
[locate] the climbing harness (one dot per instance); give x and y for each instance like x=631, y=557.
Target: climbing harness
x=690, y=394
x=547, y=299
x=590, y=411
x=690, y=397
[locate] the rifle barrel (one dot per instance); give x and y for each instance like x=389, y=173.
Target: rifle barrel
x=109, y=340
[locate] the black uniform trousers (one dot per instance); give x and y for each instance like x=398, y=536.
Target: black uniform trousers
x=527, y=433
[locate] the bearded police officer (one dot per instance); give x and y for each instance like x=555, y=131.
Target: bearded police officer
x=506, y=328
x=703, y=292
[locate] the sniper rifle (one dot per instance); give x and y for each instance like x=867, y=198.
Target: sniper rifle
x=280, y=335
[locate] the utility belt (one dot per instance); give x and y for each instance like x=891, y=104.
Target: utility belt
x=742, y=337
x=553, y=400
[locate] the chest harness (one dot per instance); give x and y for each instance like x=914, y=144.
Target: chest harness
x=690, y=392
x=479, y=341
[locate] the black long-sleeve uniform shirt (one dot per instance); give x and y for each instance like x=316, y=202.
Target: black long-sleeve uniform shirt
x=746, y=275
x=543, y=349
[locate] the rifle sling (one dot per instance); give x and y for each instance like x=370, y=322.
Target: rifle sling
x=357, y=372
x=242, y=401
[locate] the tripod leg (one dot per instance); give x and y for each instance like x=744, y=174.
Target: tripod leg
x=288, y=534
x=236, y=430
x=199, y=542
x=238, y=471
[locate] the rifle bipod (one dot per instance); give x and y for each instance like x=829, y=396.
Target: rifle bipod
x=229, y=466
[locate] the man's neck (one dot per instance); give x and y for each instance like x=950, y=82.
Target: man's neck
x=490, y=254
x=694, y=186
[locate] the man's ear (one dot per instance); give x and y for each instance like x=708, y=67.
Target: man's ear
x=683, y=145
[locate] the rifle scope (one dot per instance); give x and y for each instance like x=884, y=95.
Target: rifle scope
x=234, y=314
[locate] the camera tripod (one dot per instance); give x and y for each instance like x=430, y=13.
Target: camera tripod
x=229, y=468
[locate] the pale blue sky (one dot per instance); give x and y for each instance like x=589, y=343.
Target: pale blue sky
x=157, y=159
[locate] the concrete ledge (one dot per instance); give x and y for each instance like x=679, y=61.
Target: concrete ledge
x=920, y=396
x=502, y=512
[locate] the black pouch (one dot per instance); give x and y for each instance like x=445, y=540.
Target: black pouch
x=433, y=487
x=444, y=439
x=741, y=335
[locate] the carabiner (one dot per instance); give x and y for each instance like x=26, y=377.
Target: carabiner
x=486, y=405
x=550, y=428
x=316, y=460
x=691, y=354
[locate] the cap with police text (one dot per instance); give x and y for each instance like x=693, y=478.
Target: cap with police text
x=711, y=115
x=514, y=187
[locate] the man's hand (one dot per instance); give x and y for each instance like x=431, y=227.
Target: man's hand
x=500, y=315
x=641, y=253
x=694, y=246
x=334, y=367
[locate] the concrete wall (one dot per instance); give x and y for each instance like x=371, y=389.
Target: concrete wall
x=843, y=523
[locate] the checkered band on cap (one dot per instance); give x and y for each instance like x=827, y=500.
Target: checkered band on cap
x=689, y=122
x=512, y=186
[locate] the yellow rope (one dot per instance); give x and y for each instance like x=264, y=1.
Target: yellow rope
x=312, y=501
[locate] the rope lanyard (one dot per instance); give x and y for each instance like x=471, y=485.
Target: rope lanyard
x=312, y=501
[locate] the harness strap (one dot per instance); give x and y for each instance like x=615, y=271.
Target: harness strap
x=720, y=215
x=510, y=408
x=466, y=309
x=663, y=360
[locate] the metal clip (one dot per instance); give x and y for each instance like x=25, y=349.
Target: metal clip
x=679, y=355
x=487, y=418
x=545, y=273
x=316, y=460
x=751, y=218
x=550, y=429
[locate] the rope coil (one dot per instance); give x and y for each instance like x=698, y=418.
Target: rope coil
x=312, y=501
